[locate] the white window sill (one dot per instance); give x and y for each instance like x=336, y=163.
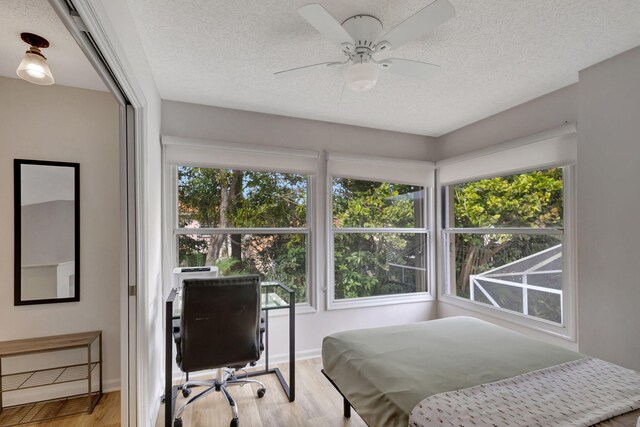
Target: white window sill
x=379, y=301
x=564, y=332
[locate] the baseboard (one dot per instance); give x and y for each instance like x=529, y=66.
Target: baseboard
x=110, y=386
x=284, y=357
x=273, y=360
x=55, y=391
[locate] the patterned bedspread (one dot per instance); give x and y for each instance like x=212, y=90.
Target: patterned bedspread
x=579, y=393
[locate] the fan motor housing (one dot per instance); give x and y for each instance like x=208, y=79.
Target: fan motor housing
x=365, y=30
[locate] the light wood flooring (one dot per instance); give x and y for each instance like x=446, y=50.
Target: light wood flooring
x=317, y=404
x=105, y=414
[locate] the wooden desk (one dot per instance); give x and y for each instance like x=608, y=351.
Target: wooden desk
x=56, y=408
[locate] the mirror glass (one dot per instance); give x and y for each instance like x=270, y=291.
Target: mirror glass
x=47, y=232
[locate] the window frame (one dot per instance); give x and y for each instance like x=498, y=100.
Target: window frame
x=567, y=329
x=429, y=258
x=308, y=306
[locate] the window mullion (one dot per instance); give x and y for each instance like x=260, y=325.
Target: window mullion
x=515, y=230
x=380, y=230
x=209, y=231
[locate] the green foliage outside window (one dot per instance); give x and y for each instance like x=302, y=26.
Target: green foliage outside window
x=529, y=200
x=373, y=263
x=366, y=263
x=219, y=198
x=370, y=204
x=532, y=199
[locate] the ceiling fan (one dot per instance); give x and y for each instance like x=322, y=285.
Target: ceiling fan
x=359, y=38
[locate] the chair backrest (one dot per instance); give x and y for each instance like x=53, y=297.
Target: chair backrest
x=220, y=323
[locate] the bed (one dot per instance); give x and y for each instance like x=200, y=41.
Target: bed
x=385, y=373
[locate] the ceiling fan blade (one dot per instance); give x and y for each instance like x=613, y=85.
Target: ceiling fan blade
x=300, y=71
x=414, y=69
x=423, y=22
x=321, y=20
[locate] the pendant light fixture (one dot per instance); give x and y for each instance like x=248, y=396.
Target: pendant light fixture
x=33, y=67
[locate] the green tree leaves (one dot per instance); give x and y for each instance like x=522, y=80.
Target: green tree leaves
x=219, y=198
x=527, y=200
x=366, y=263
x=532, y=199
x=372, y=263
x=369, y=204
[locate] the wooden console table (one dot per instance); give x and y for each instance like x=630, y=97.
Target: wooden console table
x=56, y=408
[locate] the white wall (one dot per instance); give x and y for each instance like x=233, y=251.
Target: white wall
x=222, y=124
x=546, y=112
x=72, y=125
x=608, y=206
x=219, y=124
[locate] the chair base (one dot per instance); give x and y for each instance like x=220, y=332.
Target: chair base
x=224, y=378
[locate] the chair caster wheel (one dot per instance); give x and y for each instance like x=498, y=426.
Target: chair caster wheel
x=261, y=392
x=186, y=392
x=177, y=422
x=235, y=422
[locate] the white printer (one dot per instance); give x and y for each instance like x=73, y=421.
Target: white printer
x=181, y=273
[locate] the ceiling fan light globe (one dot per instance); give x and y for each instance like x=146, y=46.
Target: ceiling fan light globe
x=34, y=69
x=362, y=77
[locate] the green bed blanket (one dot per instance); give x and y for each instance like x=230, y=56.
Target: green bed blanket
x=385, y=372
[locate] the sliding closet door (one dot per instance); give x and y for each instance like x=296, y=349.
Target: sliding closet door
x=70, y=16
x=129, y=273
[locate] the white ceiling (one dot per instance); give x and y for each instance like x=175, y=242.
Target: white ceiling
x=494, y=54
x=68, y=64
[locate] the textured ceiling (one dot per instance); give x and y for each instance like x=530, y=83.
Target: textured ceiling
x=68, y=64
x=494, y=54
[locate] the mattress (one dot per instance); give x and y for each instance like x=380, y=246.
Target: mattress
x=385, y=372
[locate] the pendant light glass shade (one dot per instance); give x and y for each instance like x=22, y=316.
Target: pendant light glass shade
x=34, y=68
x=362, y=77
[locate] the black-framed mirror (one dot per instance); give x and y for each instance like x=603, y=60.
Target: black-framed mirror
x=47, y=231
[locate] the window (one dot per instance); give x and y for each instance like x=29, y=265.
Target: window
x=245, y=221
x=379, y=238
x=504, y=239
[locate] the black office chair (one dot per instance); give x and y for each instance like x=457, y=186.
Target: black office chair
x=220, y=327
